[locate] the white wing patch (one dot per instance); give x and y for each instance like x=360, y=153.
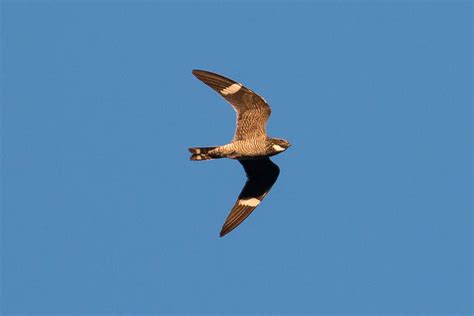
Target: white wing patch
x=278, y=148
x=250, y=202
x=231, y=89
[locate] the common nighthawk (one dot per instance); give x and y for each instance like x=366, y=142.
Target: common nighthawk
x=251, y=146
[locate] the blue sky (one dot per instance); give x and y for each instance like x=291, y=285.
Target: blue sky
x=103, y=213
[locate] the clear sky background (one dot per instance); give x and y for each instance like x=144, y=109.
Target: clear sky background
x=103, y=213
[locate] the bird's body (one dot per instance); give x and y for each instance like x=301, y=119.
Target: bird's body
x=251, y=145
x=244, y=149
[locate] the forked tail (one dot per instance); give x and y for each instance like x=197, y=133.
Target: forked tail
x=202, y=153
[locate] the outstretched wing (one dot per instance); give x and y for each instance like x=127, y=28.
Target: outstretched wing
x=261, y=175
x=252, y=110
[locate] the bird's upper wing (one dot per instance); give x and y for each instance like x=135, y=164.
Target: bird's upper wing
x=261, y=175
x=252, y=110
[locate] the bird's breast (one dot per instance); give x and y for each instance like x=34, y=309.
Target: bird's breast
x=250, y=148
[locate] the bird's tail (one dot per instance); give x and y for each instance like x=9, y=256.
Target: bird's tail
x=202, y=153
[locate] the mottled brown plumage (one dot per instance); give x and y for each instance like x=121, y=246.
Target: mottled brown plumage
x=252, y=110
x=251, y=145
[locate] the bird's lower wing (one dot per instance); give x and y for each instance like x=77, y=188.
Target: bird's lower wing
x=262, y=174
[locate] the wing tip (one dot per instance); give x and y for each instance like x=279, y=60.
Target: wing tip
x=225, y=231
x=209, y=76
x=198, y=72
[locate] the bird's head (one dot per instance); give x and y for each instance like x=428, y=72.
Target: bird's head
x=278, y=145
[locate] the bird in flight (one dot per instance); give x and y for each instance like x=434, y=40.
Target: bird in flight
x=251, y=145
